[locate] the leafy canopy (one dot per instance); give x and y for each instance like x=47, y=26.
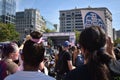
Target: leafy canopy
x=8, y=32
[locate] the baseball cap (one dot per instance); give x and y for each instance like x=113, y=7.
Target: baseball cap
x=66, y=44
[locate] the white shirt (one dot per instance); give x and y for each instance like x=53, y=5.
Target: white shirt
x=28, y=75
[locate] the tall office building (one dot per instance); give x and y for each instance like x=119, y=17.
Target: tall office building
x=114, y=34
x=118, y=33
x=29, y=20
x=7, y=11
x=80, y=18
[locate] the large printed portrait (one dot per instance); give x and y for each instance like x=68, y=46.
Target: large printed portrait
x=92, y=18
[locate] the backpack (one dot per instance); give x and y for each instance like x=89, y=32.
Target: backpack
x=3, y=68
x=59, y=68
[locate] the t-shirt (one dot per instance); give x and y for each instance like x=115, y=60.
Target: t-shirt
x=83, y=72
x=64, y=57
x=80, y=73
x=3, y=70
x=29, y=75
x=79, y=60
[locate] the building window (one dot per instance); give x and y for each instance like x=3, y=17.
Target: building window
x=63, y=14
x=78, y=26
x=68, y=21
x=72, y=14
x=68, y=16
x=68, y=24
x=68, y=27
x=68, y=30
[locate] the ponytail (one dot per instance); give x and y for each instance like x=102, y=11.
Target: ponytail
x=97, y=65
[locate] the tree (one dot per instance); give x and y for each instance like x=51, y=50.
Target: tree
x=7, y=32
x=47, y=30
x=117, y=41
x=77, y=34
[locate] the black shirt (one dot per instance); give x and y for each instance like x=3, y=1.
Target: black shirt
x=83, y=72
x=80, y=73
x=62, y=62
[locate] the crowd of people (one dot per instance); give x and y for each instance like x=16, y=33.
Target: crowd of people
x=94, y=59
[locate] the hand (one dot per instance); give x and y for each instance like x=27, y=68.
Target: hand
x=110, y=47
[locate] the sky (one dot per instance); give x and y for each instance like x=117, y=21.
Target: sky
x=49, y=9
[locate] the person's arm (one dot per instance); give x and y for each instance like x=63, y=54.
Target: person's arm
x=70, y=66
x=69, y=61
x=110, y=47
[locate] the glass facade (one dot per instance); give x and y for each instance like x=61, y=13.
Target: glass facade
x=7, y=11
x=1, y=9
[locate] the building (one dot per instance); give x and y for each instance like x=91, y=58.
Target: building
x=114, y=34
x=80, y=18
x=29, y=20
x=7, y=11
x=56, y=27
x=118, y=33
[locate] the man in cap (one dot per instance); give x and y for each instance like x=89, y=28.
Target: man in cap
x=64, y=62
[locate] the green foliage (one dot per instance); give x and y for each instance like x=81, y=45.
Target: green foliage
x=48, y=30
x=50, y=41
x=7, y=32
x=117, y=41
x=77, y=34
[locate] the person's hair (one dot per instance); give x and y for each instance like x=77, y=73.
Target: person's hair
x=33, y=53
x=9, y=48
x=59, y=47
x=36, y=35
x=73, y=48
x=93, y=40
